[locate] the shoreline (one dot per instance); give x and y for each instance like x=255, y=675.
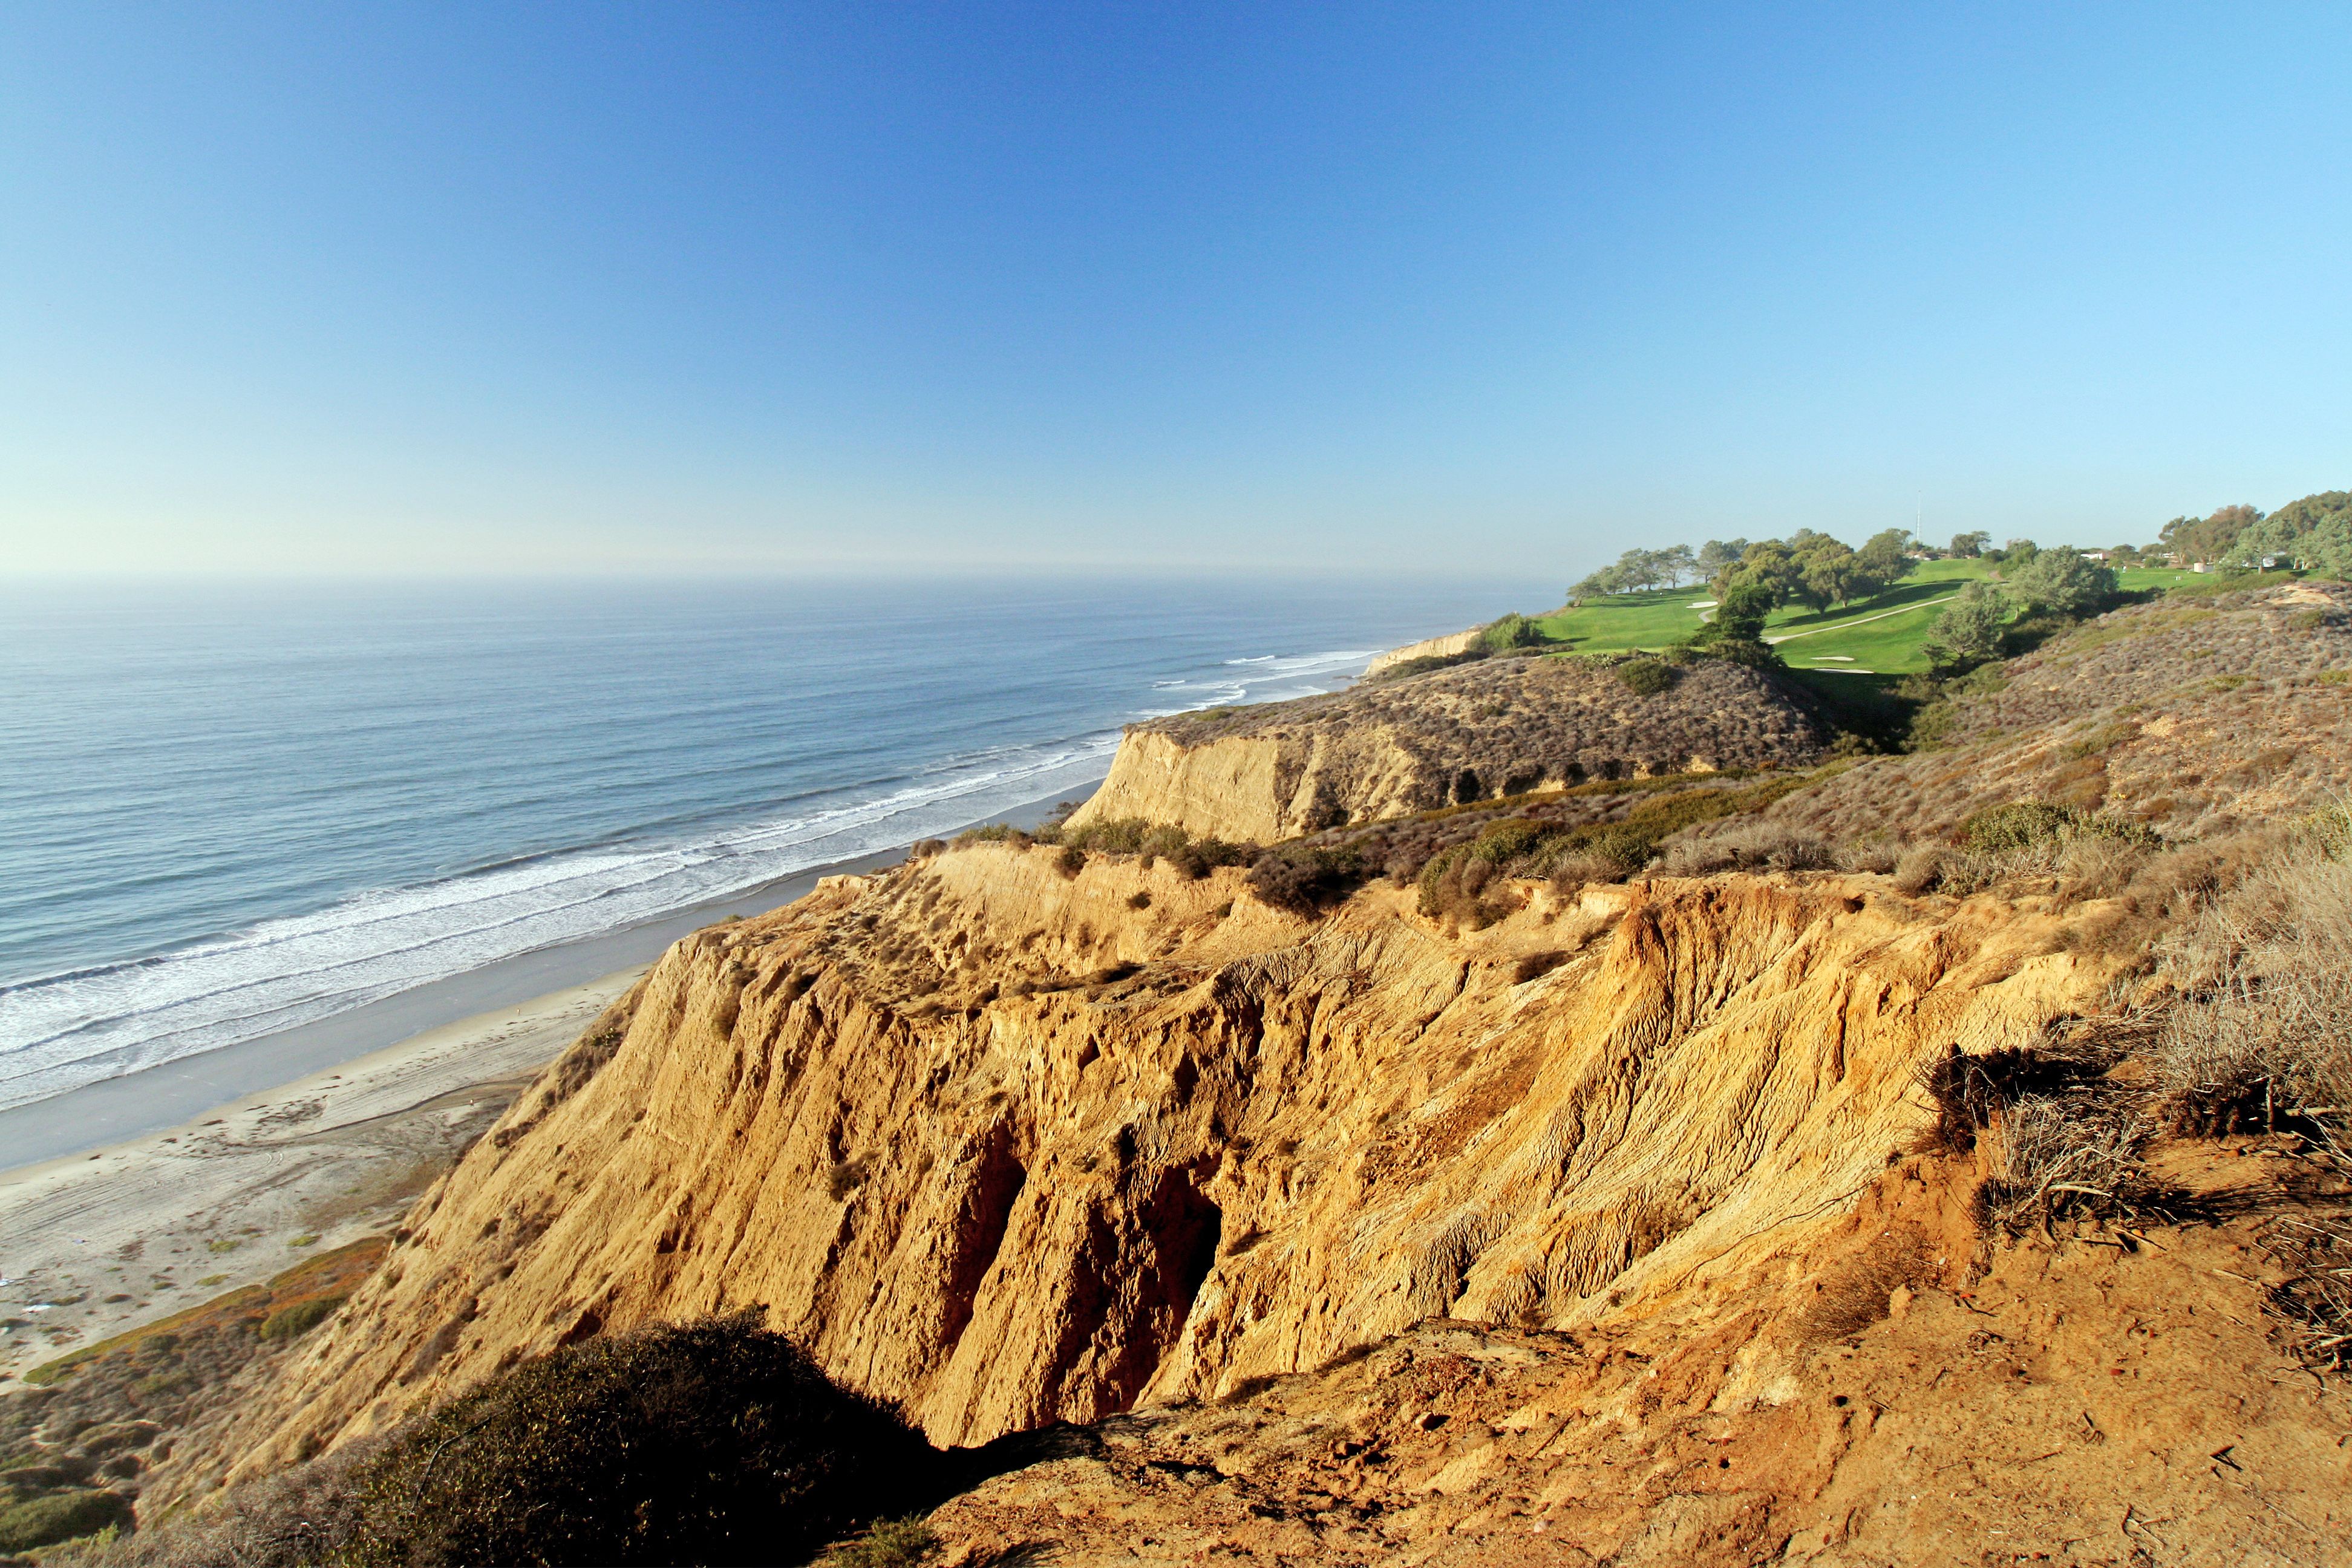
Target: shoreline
x=100, y=1242
x=115, y=1111
x=131, y=1199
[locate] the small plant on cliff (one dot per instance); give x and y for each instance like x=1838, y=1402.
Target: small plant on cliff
x=1644, y=676
x=892, y=1543
x=1071, y=860
x=292, y=1322
x=1303, y=879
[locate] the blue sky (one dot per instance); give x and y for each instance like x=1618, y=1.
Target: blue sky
x=734, y=287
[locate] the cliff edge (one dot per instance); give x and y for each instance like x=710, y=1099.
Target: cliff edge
x=1476, y=731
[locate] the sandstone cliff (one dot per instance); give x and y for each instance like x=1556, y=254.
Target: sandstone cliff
x=1471, y=732
x=1002, y=1146
x=1446, y=646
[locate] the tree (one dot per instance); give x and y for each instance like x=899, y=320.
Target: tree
x=1677, y=562
x=1741, y=612
x=1766, y=562
x=2208, y=538
x=1825, y=571
x=2315, y=533
x=2062, y=581
x=1716, y=554
x=1968, y=546
x=1736, y=630
x=1969, y=631
x=1883, y=561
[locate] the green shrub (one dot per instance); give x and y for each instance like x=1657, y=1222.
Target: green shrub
x=293, y=1322
x=1507, y=840
x=1627, y=847
x=2032, y=823
x=1646, y=677
x=1512, y=631
x=717, y=1442
x=62, y=1515
x=1303, y=879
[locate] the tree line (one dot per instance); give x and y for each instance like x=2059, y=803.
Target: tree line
x=1807, y=568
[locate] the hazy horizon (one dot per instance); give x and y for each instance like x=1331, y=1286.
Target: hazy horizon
x=507, y=291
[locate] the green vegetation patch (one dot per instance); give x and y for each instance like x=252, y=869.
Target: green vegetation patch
x=62, y=1515
x=2033, y=823
x=293, y=1322
x=709, y=1442
x=332, y=1273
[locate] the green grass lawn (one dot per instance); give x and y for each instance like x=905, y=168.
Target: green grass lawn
x=1625, y=621
x=1882, y=635
x=1897, y=621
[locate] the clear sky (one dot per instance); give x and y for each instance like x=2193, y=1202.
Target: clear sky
x=321, y=287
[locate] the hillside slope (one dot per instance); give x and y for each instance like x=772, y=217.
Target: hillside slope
x=2195, y=719
x=1273, y=1142
x=1471, y=733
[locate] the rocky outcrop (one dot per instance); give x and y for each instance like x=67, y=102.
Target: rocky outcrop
x=1448, y=646
x=1476, y=732
x=1011, y=1146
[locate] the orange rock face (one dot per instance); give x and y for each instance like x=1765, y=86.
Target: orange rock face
x=1010, y=1146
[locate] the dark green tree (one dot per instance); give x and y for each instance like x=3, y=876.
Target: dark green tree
x=2060, y=580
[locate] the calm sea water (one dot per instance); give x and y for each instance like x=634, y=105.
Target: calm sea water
x=224, y=811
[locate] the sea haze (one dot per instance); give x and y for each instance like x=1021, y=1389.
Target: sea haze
x=228, y=810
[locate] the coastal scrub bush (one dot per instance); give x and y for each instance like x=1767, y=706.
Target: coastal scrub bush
x=1511, y=632
x=1071, y=860
x=1197, y=860
x=1646, y=677
x=1749, y=847
x=1304, y=879
x=1120, y=836
x=62, y=1515
x=291, y=1323
x=2266, y=1035
x=2064, y=582
x=2032, y=823
x=715, y=1442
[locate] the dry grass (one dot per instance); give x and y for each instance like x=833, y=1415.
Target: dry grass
x=2059, y=1155
x=2264, y=1033
x=2314, y=1304
x=1749, y=847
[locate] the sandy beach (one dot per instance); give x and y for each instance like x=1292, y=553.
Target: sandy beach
x=93, y=1243
x=133, y=1198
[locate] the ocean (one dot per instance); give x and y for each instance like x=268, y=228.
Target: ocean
x=226, y=810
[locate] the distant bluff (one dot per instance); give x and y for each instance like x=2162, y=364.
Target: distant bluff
x=1471, y=733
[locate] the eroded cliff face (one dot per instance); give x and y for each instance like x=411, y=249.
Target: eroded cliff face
x=1445, y=647
x=1010, y=1147
x=1473, y=732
